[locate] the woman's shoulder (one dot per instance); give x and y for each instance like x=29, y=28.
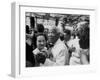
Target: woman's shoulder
x=35, y=51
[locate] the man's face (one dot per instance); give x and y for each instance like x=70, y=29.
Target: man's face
x=52, y=35
x=66, y=37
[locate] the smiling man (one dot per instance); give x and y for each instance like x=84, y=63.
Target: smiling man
x=59, y=50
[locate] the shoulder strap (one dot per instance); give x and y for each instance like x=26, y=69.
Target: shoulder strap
x=66, y=45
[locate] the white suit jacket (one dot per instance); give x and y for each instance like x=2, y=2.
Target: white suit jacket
x=60, y=54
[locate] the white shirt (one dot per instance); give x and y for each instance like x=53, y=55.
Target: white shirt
x=60, y=54
x=75, y=58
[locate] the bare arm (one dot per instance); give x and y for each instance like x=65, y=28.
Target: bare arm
x=83, y=59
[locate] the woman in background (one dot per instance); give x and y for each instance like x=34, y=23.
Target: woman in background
x=84, y=44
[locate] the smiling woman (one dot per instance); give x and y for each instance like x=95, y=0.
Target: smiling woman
x=40, y=52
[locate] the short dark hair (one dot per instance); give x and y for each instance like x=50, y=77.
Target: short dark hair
x=40, y=58
x=41, y=34
x=40, y=28
x=67, y=31
x=27, y=29
x=84, y=38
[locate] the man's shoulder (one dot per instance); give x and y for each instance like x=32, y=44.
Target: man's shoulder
x=60, y=45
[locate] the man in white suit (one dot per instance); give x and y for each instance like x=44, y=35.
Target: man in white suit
x=59, y=49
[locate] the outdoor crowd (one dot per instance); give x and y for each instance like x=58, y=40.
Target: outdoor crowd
x=58, y=45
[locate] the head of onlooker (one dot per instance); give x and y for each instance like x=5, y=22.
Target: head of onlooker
x=67, y=35
x=40, y=28
x=83, y=34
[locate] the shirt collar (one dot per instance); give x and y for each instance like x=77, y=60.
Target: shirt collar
x=57, y=42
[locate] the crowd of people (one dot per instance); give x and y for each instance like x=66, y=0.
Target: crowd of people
x=58, y=45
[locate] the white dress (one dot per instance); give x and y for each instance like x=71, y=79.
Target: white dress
x=75, y=58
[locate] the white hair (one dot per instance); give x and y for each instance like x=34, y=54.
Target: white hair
x=56, y=29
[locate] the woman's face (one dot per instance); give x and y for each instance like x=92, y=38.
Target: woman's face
x=41, y=42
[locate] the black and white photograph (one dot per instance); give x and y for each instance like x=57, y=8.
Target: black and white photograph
x=56, y=39
x=52, y=40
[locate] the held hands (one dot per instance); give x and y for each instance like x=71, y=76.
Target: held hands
x=45, y=52
x=41, y=56
x=72, y=49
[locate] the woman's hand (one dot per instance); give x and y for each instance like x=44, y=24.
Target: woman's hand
x=72, y=49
